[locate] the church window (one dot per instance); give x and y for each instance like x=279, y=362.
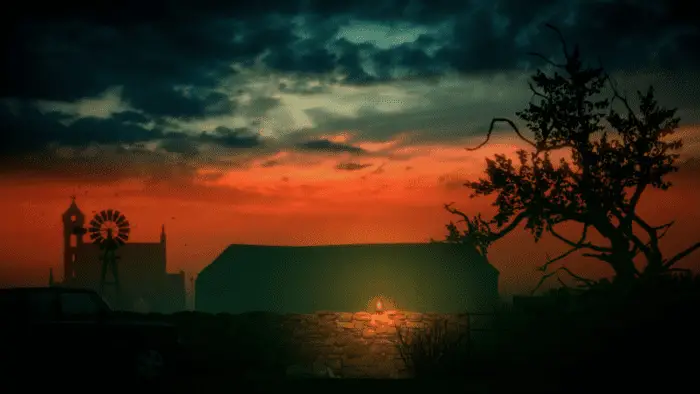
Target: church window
x=73, y=218
x=73, y=241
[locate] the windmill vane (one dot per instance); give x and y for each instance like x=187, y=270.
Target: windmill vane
x=109, y=228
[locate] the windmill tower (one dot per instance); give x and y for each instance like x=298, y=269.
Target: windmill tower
x=109, y=229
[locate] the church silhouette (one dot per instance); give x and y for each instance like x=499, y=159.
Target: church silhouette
x=144, y=285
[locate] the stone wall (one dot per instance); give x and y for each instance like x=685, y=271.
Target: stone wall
x=358, y=345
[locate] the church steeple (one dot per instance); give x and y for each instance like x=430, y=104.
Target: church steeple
x=73, y=217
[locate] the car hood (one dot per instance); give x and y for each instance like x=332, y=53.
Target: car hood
x=140, y=323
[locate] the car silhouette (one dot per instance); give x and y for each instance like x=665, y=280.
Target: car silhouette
x=74, y=333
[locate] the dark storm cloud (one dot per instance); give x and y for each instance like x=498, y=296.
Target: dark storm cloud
x=351, y=166
x=169, y=56
x=163, y=100
x=180, y=143
x=130, y=117
x=69, y=51
x=188, y=143
x=325, y=145
x=231, y=138
x=26, y=129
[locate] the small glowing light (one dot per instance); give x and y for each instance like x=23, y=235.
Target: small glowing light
x=379, y=307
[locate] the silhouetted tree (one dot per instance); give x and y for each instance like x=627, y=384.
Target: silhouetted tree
x=615, y=157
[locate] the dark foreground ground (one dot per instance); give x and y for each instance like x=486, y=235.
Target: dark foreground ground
x=507, y=384
x=600, y=342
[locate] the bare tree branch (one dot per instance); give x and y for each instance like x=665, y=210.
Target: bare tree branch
x=578, y=278
x=581, y=242
x=546, y=60
x=586, y=281
x=542, y=280
x=673, y=260
x=684, y=270
x=664, y=227
x=561, y=282
x=626, y=228
x=492, y=236
x=562, y=40
x=549, y=262
x=535, y=92
x=600, y=256
x=512, y=125
x=457, y=212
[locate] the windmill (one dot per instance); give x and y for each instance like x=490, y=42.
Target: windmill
x=109, y=229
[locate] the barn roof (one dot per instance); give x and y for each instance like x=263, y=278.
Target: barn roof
x=302, y=279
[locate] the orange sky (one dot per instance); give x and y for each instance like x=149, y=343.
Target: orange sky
x=303, y=204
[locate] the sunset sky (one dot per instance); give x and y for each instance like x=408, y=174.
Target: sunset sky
x=303, y=122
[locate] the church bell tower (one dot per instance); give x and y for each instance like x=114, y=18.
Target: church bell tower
x=72, y=241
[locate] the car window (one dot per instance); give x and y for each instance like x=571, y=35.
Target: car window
x=42, y=305
x=79, y=306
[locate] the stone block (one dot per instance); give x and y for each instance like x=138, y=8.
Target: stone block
x=369, y=333
x=326, y=314
x=343, y=340
x=345, y=317
x=355, y=349
x=398, y=316
x=386, y=330
x=300, y=332
x=358, y=362
x=414, y=317
x=362, y=316
x=414, y=325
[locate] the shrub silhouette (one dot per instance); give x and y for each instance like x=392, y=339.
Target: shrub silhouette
x=433, y=351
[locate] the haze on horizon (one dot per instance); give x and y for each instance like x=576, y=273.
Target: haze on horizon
x=303, y=122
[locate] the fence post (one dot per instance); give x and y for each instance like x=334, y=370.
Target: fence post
x=469, y=337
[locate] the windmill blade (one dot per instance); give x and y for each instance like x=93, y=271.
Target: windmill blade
x=124, y=230
x=94, y=223
x=94, y=236
x=125, y=237
x=103, y=214
x=120, y=241
x=94, y=229
x=121, y=219
x=109, y=214
x=126, y=223
x=98, y=219
x=116, y=215
x=97, y=241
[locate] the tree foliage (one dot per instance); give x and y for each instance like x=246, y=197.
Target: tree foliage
x=615, y=155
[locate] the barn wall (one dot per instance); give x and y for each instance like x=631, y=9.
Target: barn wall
x=469, y=294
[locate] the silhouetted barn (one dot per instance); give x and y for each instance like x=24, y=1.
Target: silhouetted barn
x=427, y=277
